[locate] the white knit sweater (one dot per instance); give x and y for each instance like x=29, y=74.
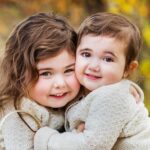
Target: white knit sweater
x=112, y=119
x=17, y=135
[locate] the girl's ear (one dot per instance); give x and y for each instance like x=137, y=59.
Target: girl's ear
x=133, y=66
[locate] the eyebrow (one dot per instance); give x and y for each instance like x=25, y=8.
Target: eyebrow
x=109, y=52
x=85, y=49
x=105, y=51
x=40, y=69
x=47, y=68
x=71, y=65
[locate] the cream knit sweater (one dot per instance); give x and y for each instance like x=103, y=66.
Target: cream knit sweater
x=17, y=135
x=112, y=119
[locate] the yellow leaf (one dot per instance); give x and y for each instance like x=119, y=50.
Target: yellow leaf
x=114, y=10
x=146, y=34
x=143, y=10
x=145, y=68
x=127, y=8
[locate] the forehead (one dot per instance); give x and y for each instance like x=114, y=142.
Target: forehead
x=102, y=42
x=62, y=59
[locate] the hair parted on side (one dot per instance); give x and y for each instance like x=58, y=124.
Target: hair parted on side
x=37, y=37
x=113, y=25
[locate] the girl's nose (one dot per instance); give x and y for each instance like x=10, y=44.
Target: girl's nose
x=59, y=82
x=94, y=65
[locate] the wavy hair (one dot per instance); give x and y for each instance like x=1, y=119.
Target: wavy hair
x=37, y=37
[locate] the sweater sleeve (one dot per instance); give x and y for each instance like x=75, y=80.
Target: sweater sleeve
x=16, y=134
x=110, y=110
x=50, y=139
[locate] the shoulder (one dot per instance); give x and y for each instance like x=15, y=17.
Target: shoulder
x=117, y=94
x=119, y=88
x=6, y=108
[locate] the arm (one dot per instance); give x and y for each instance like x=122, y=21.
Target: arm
x=133, y=91
x=108, y=113
x=14, y=133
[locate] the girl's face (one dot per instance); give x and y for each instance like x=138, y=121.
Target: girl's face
x=57, y=84
x=100, y=61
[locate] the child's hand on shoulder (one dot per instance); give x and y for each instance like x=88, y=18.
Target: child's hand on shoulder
x=134, y=92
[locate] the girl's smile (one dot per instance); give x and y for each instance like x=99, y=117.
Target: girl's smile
x=59, y=96
x=100, y=60
x=57, y=84
x=92, y=77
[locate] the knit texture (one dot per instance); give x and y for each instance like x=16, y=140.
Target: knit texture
x=112, y=119
x=17, y=135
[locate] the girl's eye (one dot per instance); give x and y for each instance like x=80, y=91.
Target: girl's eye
x=108, y=59
x=69, y=71
x=45, y=74
x=85, y=54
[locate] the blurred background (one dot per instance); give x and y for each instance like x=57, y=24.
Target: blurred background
x=13, y=11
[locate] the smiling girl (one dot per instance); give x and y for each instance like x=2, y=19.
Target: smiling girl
x=37, y=78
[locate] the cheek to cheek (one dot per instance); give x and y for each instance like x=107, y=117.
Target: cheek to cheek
x=73, y=82
x=79, y=69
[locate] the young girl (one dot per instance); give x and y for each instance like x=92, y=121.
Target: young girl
x=34, y=80
x=107, y=54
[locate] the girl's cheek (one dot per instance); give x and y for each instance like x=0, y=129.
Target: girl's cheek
x=73, y=82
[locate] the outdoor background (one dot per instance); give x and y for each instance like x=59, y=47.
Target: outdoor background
x=12, y=11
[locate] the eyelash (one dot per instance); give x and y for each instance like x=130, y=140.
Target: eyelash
x=85, y=54
x=45, y=74
x=108, y=59
x=68, y=71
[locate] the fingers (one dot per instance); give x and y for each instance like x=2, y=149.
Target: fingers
x=81, y=127
x=134, y=92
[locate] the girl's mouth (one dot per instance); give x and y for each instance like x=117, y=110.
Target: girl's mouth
x=59, y=95
x=92, y=77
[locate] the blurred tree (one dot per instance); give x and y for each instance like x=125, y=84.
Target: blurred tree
x=75, y=10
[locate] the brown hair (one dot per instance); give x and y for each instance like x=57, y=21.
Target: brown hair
x=38, y=37
x=114, y=25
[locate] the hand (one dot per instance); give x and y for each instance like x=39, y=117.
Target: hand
x=81, y=127
x=134, y=92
